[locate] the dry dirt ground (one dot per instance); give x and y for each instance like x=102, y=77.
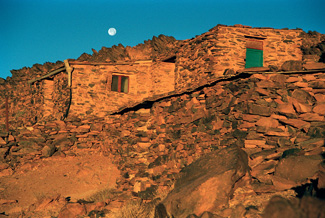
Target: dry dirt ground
x=77, y=177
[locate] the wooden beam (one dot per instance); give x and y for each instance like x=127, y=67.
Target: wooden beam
x=47, y=75
x=69, y=70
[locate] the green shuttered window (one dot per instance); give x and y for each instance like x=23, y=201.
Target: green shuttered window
x=254, y=58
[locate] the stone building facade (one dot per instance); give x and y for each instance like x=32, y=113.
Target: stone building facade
x=234, y=48
x=103, y=89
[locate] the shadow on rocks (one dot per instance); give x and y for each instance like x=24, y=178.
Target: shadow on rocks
x=294, y=208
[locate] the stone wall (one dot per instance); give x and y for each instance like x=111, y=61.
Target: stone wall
x=26, y=102
x=49, y=98
x=91, y=95
x=91, y=86
x=3, y=87
x=224, y=47
x=278, y=46
x=62, y=95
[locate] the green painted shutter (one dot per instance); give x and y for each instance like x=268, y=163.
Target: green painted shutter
x=254, y=58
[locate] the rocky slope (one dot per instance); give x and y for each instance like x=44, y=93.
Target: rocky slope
x=276, y=120
x=150, y=49
x=314, y=46
x=247, y=145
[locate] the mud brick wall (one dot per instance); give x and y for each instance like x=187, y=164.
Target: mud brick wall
x=91, y=86
x=224, y=47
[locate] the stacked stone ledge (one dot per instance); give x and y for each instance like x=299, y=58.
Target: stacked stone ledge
x=267, y=115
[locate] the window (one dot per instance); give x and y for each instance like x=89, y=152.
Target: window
x=254, y=53
x=120, y=83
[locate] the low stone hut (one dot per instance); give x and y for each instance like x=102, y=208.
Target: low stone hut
x=84, y=88
x=235, y=48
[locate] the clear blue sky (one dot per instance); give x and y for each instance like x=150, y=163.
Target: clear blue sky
x=39, y=31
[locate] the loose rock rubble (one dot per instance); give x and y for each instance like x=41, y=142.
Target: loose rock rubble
x=247, y=143
x=276, y=119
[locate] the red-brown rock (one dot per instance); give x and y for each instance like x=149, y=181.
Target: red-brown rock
x=292, y=66
x=320, y=109
x=311, y=117
x=281, y=207
x=267, y=122
x=302, y=96
x=306, y=207
x=206, y=184
x=72, y=210
x=298, y=168
x=314, y=66
x=2, y=142
x=320, y=98
x=300, y=107
x=286, y=109
x=297, y=123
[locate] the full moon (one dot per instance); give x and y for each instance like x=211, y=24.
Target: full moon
x=111, y=31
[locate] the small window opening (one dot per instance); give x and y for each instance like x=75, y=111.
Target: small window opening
x=120, y=83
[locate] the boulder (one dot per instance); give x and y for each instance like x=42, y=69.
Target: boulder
x=3, y=134
x=303, y=96
x=11, y=138
x=292, y=66
x=72, y=210
x=305, y=207
x=259, y=110
x=267, y=122
x=2, y=141
x=285, y=109
x=81, y=129
x=48, y=150
x=3, y=153
x=300, y=108
x=281, y=207
x=311, y=117
x=298, y=168
x=300, y=124
x=318, y=84
x=312, y=207
x=314, y=66
x=207, y=183
x=320, y=109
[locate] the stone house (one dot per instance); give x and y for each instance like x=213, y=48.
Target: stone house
x=235, y=48
x=84, y=88
x=100, y=89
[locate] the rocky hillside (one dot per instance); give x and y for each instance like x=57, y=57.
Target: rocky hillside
x=150, y=49
x=244, y=145
x=235, y=143
x=314, y=46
